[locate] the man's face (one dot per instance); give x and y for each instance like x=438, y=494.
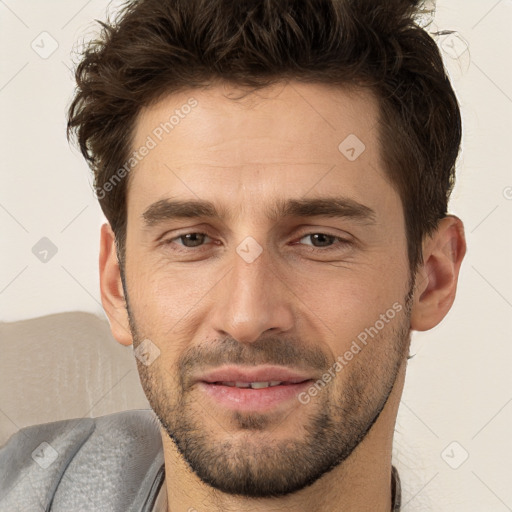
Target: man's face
x=271, y=285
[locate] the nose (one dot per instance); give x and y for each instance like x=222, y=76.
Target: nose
x=251, y=300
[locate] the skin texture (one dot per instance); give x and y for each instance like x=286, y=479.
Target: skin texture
x=300, y=303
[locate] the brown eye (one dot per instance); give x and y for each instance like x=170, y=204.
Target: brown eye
x=320, y=240
x=189, y=240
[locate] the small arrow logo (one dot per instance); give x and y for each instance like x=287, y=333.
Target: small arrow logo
x=454, y=45
x=249, y=249
x=351, y=147
x=147, y=352
x=44, y=250
x=455, y=455
x=44, y=45
x=45, y=455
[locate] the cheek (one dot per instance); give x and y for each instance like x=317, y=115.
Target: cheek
x=165, y=299
x=349, y=300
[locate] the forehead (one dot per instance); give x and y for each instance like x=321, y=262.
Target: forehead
x=288, y=139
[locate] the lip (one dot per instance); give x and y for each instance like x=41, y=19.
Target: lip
x=252, y=400
x=265, y=373
x=248, y=399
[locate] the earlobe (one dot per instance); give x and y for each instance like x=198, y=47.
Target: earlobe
x=436, y=279
x=112, y=294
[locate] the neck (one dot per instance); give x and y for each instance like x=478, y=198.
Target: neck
x=362, y=482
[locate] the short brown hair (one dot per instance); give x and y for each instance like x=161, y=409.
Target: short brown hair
x=157, y=47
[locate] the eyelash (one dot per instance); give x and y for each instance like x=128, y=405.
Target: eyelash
x=341, y=241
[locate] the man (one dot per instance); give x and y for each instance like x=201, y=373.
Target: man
x=275, y=175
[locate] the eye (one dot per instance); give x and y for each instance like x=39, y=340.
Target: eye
x=324, y=240
x=189, y=240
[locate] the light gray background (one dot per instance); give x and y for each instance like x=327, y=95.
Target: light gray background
x=458, y=386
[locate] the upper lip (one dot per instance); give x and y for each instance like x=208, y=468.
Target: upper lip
x=253, y=374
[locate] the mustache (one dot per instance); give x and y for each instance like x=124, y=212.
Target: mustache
x=270, y=350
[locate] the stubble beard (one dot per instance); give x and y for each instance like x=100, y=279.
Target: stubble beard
x=243, y=458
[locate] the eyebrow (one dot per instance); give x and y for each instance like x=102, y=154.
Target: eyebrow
x=338, y=207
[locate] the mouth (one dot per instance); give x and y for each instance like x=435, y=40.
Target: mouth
x=256, y=385
x=245, y=376
x=253, y=389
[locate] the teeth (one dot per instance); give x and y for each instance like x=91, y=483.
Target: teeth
x=259, y=385
x=252, y=385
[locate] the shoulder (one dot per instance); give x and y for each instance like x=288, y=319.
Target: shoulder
x=76, y=464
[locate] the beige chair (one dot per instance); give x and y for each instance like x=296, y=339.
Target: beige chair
x=62, y=366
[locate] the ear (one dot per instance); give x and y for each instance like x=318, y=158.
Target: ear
x=111, y=286
x=436, y=278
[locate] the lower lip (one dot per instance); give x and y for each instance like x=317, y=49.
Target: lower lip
x=248, y=399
